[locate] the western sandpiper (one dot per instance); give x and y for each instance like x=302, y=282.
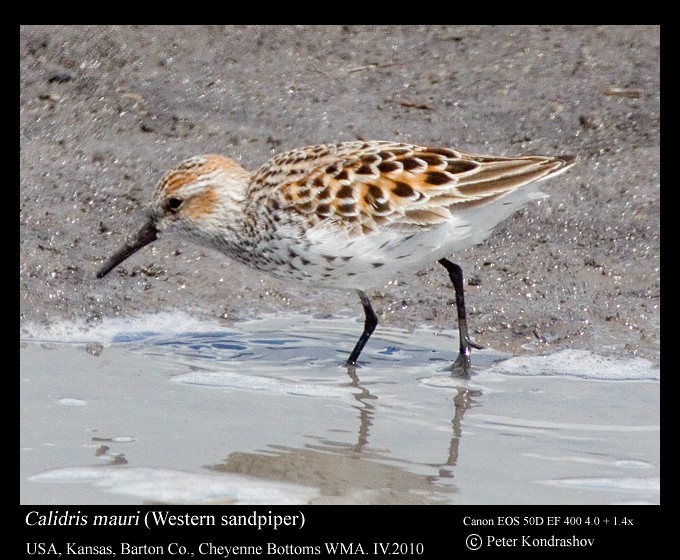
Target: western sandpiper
x=351, y=215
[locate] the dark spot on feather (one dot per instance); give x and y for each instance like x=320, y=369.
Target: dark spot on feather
x=329, y=258
x=375, y=192
x=387, y=166
x=377, y=264
x=347, y=208
x=303, y=192
x=442, y=152
x=342, y=175
x=323, y=209
x=430, y=159
x=324, y=194
x=346, y=192
x=317, y=182
x=364, y=170
x=369, y=158
x=410, y=163
x=274, y=204
x=400, y=151
x=437, y=178
x=332, y=169
x=385, y=155
x=305, y=261
x=403, y=190
x=346, y=259
x=381, y=206
x=305, y=206
x=460, y=166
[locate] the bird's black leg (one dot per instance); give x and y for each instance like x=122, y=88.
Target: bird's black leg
x=369, y=326
x=462, y=364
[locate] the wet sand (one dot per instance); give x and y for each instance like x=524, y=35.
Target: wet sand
x=104, y=111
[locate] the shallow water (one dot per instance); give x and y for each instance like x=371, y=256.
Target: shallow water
x=173, y=410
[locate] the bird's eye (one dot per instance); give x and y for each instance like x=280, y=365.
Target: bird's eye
x=174, y=204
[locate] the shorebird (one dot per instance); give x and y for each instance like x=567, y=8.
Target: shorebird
x=352, y=215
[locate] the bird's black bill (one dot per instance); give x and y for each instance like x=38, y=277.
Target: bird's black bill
x=145, y=236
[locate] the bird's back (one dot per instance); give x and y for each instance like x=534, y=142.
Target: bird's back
x=358, y=213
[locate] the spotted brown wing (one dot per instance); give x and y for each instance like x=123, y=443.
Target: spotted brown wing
x=363, y=187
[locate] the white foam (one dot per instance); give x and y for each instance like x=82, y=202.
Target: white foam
x=579, y=363
x=650, y=484
x=169, y=486
x=116, y=329
x=68, y=401
x=258, y=383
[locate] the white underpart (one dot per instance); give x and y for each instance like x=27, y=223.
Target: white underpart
x=372, y=260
